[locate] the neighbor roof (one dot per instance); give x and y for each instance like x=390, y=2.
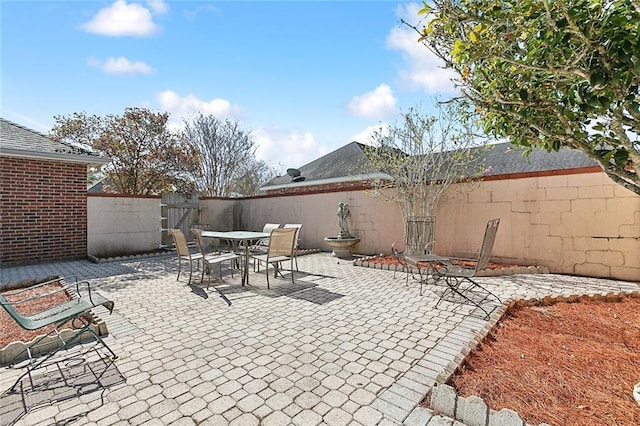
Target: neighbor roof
x=349, y=163
x=20, y=141
x=506, y=158
x=344, y=164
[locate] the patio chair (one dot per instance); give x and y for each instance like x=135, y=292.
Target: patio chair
x=215, y=257
x=184, y=253
x=420, y=239
x=296, y=245
x=73, y=313
x=455, y=273
x=262, y=245
x=281, y=243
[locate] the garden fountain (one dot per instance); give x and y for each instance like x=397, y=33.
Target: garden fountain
x=344, y=242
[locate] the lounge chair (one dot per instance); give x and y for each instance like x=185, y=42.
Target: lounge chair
x=74, y=313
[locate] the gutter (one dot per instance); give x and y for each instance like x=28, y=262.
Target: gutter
x=55, y=156
x=368, y=176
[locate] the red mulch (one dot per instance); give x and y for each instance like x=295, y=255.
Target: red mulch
x=390, y=260
x=565, y=364
x=10, y=331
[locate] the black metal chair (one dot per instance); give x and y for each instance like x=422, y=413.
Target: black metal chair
x=456, y=274
x=420, y=239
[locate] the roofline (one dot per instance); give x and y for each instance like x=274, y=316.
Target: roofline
x=58, y=156
x=340, y=179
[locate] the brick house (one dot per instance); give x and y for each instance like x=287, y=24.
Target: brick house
x=43, y=196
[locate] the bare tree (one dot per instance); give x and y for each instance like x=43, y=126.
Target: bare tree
x=424, y=155
x=228, y=156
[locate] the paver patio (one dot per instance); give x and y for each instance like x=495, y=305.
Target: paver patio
x=343, y=345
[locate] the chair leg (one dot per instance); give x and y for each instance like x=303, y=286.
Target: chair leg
x=267, y=273
x=292, y=270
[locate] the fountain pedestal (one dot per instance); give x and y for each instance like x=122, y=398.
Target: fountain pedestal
x=342, y=246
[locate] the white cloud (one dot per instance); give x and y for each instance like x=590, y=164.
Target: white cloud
x=181, y=107
x=121, y=65
x=126, y=19
x=159, y=7
x=379, y=103
x=193, y=13
x=423, y=69
x=366, y=136
x=288, y=148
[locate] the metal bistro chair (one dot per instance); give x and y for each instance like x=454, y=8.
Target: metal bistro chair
x=280, y=249
x=456, y=275
x=420, y=239
x=215, y=257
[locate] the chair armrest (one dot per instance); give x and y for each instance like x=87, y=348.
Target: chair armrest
x=396, y=251
x=429, y=244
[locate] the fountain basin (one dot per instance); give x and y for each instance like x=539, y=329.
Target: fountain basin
x=342, y=246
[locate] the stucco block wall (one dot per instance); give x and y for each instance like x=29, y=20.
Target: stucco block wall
x=583, y=224
x=122, y=224
x=43, y=210
x=376, y=223
x=218, y=213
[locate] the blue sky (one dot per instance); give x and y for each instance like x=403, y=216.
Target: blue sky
x=306, y=77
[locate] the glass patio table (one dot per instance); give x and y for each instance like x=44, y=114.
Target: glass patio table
x=245, y=237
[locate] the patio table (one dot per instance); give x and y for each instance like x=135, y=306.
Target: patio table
x=246, y=237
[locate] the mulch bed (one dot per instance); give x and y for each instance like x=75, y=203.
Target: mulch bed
x=390, y=260
x=564, y=364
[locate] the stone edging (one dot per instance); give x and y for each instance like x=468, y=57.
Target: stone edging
x=368, y=262
x=443, y=399
x=49, y=343
x=95, y=259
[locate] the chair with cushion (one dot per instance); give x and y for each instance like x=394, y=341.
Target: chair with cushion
x=280, y=249
x=214, y=257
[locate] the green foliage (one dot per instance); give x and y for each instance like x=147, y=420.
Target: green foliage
x=146, y=157
x=424, y=155
x=549, y=73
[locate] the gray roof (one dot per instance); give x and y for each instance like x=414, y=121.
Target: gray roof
x=505, y=158
x=349, y=162
x=20, y=141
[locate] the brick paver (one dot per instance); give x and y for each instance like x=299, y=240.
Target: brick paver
x=342, y=345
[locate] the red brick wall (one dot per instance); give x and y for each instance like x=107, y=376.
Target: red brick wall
x=43, y=210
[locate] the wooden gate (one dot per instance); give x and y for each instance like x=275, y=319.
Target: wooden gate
x=178, y=211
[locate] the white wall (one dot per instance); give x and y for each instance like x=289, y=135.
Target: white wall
x=118, y=225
